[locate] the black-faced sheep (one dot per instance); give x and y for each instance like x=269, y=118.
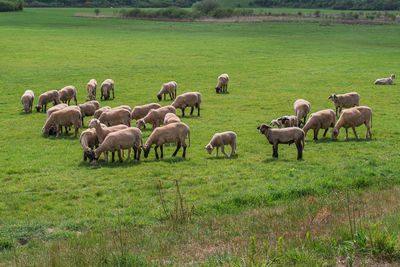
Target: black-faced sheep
x=65, y=117
x=289, y=121
x=27, y=101
x=88, y=108
x=91, y=88
x=155, y=117
x=385, y=81
x=283, y=136
x=47, y=97
x=168, y=88
x=191, y=99
x=116, y=116
x=106, y=87
x=348, y=100
x=353, y=117
x=67, y=93
x=322, y=119
x=301, y=108
x=222, y=85
x=88, y=141
x=220, y=140
x=171, y=133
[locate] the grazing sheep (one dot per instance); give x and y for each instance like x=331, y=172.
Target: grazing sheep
x=67, y=93
x=117, y=141
x=106, y=87
x=191, y=99
x=168, y=88
x=220, y=140
x=289, y=121
x=140, y=112
x=385, y=81
x=277, y=123
x=47, y=97
x=171, y=133
x=91, y=88
x=155, y=117
x=301, y=108
x=116, y=116
x=98, y=112
x=55, y=108
x=348, y=100
x=65, y=117
x=88, y=108
x=222, y=85
x=102, y=132
x=322, y=119
x=171, y=118
x=27, y=101
x=283, y=136
x=88, y=141
x=352, y=118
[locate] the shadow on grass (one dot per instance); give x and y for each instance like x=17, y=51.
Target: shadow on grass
x=62, y=137
x=116, y=164
x=167, y=160
x=223, y=157
x=271, y=159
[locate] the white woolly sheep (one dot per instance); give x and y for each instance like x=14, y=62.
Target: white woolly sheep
x=106, y=87
x=353, y=117
x=222, y=85
x=65, y=117
x=91, y=88
x=277, y=123
x=27, y=101
x=301, y=108
x=88, y=108
x=140, y=112
x=117, y=141
x=322, y=119
x=168, y=88
x=283, y=136
x=171, y=118
x=47, y=97
x=191, y=99
x=171, y=133
x=348, y=100
x=88, y=141
x=220, y=140
x=116, y=116
x=98, y=112
x=155, y=117
x=385, y=81
x=67, y=93
x=289, y=121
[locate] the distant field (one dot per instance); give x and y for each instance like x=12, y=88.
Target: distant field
x=45, y=184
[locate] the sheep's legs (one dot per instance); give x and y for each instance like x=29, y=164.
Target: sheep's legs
x=178, y=146
x=198, y=110
x=155, y=150
x=76, y=131
x=139, y=151
x=354, y=130
x=275, y=151
x=340, y=111
x=106, y=157
x=326, y=130
x=119, y=156
x=217, y=151
x=191, y=111
x=368, y=130
x=165, y=97
x=316, y=134
x=112, y=157
x=347, y=134
x=170, y=96
x=162, y=151
x=183, y=112
x=299, y=150
x=113, y=93
x=134, y=152
x=184, y=151
x=223, y=151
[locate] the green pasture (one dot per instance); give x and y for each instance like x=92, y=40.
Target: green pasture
x=46, y=184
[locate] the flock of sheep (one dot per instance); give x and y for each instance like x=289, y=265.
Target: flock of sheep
x=110, y=129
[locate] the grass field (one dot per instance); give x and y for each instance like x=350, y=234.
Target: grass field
x=46, y=185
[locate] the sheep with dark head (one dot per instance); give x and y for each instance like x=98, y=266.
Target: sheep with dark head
x=91, y=88
x=106, y=87
x=67, y=93
x=27, y=101
x=348, y=100
x=353, y=117
x=168, y=88
x=47, y=97
x=191, y=99
x=301, y=108
x=322, y=119
x=222, y=85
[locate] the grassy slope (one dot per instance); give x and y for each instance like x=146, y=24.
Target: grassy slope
x=45, y=182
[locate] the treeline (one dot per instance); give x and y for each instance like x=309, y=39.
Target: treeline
x=109, y=3
x=333, y=4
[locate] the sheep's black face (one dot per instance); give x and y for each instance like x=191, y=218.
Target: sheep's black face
x=217, y=90
x=159, y=97
x=38, y=108
x=335, y=133
x=263, y=128
x=146, y=151
x=90, y=154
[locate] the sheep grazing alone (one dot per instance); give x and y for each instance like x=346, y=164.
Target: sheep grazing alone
x=171, y=118
x=116, y=116
x=88, y=141
x=276, y=123
x=98, y=112
x=385, y=81
x=88, y=108
x=47, y=97
x=168, y=88
x=67, y=93
x=91, y=88
x=106, y=87
x=289, y=121
x=222, y=85
x=220, y=140
x=352, y=118
x=140, y=112
x=301, y=108
x=348, y=100
x=155, y=117
x=27, y=101
x=322, y=119
x=284, y=136
x=171, y=133
x=117, y=141
x=191, y=99
x=65, y=117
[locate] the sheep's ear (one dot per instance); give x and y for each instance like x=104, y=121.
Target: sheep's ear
x=258, y=128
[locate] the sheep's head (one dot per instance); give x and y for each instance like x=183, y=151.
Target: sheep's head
x=159, y=96
x=91, y=155
x=140, y=123
x=392, y=76
x=93, y=123
x=335, y=133
x=146, y=150
x=263, y=128
x=276, y=123
x=217, y=89
x=332, y=96
x=45, y=132
x=38, y=108
x=209, y=148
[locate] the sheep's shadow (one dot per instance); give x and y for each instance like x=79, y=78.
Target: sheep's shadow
x=222, y=157
x=223, y=93
x=272, y=159
x=190, y=117
x=168, y=160
x=361, y=140
x=116, y=164
x=62, y=137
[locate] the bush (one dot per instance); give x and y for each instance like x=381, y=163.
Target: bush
x=97, y=11
x=6, y=6
x=206, y=6
x=222, y=12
